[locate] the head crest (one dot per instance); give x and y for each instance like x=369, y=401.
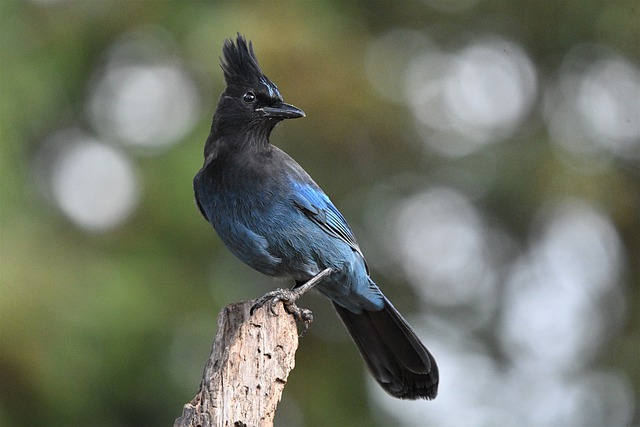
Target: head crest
x=239, y=62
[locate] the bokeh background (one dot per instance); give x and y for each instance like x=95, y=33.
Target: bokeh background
x=486, y=153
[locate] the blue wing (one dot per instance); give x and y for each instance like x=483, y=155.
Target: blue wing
x=319, y=209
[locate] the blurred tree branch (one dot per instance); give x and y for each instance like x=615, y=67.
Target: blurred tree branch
x=247, y=369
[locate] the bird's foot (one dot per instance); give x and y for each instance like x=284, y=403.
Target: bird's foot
x=289, y=298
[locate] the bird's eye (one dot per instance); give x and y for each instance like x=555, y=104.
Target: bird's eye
x=249, y=97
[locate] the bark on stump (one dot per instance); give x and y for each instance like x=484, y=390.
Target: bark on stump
x=247, y=369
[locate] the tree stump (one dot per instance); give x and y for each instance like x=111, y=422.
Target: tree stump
x=247, y=369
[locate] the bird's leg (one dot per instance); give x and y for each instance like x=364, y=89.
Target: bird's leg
x=289, y=297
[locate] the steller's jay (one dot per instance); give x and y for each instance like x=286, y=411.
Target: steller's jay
x=275, y=218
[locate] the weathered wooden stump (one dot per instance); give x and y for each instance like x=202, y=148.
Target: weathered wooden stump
x=247, y=369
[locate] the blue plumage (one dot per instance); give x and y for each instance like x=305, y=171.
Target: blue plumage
x=282, y=224
x=276, y=219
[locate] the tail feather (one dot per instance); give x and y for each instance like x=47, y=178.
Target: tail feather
x=396, y=357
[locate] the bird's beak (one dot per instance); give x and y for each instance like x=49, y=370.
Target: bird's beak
x=281, y=110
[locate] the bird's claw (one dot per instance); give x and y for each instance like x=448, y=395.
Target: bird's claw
x=288, y=298
x=285, y=295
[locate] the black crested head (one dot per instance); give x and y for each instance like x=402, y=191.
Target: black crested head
x=241, y=68
x=250, y=106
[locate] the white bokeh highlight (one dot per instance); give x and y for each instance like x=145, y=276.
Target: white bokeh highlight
x=92, y=183
x=491, y=86
x=441, y=244
x=142, y=97
x=592, y=106
x=465, y=99
x=553, y=317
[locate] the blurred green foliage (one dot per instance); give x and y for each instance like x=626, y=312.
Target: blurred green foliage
x=112, y=329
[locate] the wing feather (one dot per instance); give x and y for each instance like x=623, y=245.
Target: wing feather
x=315, y=204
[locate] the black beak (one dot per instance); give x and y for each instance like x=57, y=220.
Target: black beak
x=281, y=110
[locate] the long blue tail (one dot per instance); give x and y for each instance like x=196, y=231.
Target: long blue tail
x=396, y=357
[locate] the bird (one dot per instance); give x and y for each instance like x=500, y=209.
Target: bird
x=273, y=216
